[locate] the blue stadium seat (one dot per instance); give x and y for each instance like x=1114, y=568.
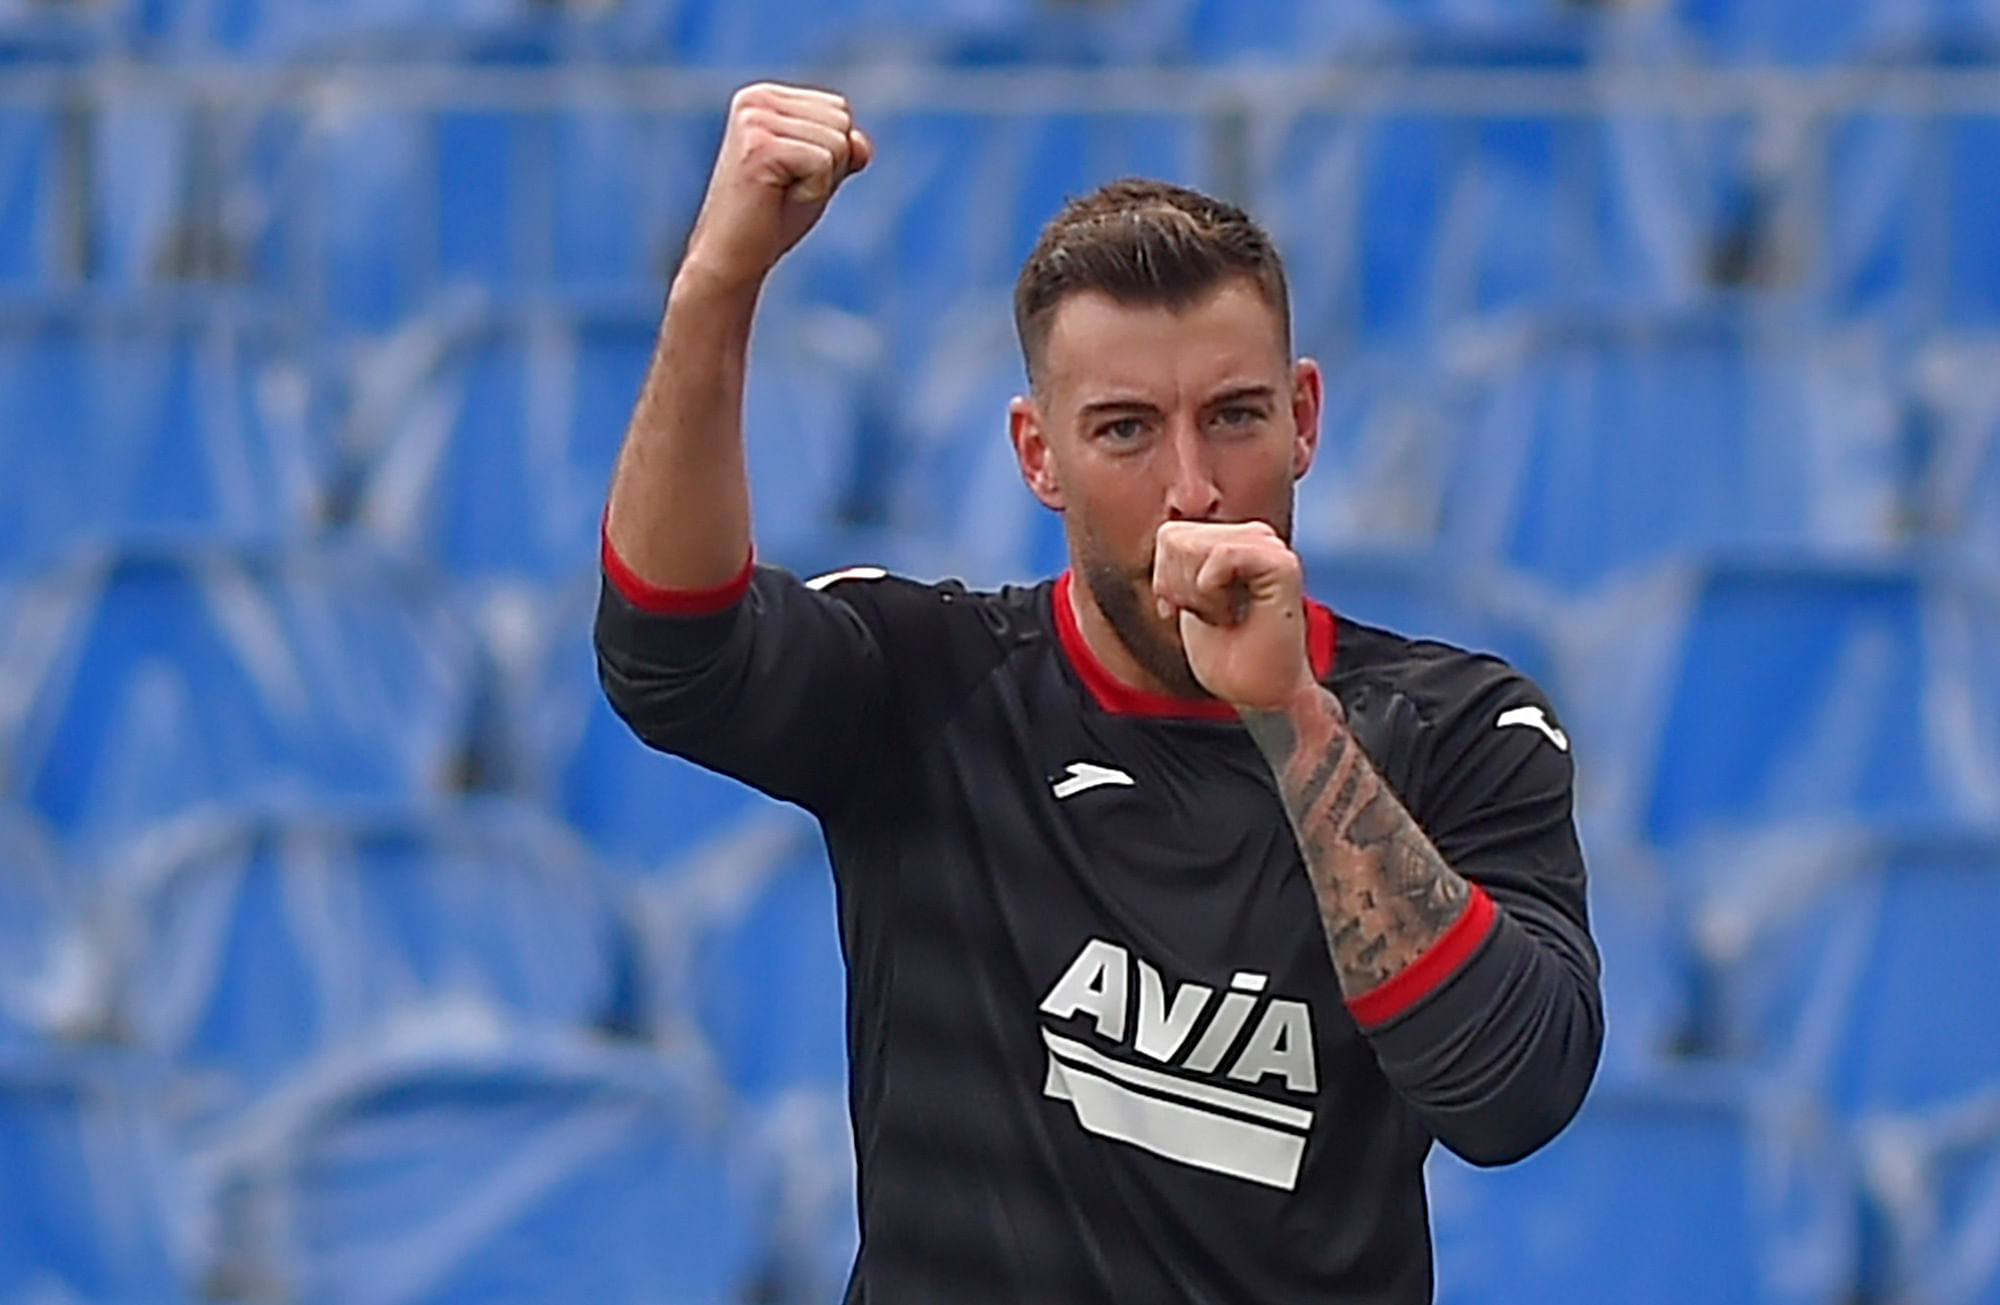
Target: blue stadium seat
x=1690, y=1189
x=1956, y=460
x=498, y=1168
x=369, y=258
x=189, y=415
x=766, y=976
x=1800, y=692
x=248, y=944
x=1649, y=967
x=558, y=741
x=1425, y=596
x=292, y=30
x=160, y=677
x=496, y=463
x=1603, y=443
x=967, y=195
x=1397, y=226
x=1935, y=1177
x=1905, y=219
x=626, y=188
x=1846, y=31
x=92, y=1198
x=29, y=232
x=37, y=916
x=1855, y=976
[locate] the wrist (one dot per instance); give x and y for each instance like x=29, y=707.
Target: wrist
x=707, y=285
x=1309, y=714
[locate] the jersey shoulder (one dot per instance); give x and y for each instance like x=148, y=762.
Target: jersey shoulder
x=941, y=628
x=1456, y=696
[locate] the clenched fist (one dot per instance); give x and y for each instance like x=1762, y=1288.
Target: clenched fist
x=785, y=151
x=1238, y=591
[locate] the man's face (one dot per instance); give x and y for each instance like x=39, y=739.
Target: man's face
x=1143, y=415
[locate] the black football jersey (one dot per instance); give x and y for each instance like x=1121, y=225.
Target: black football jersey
x=1099, y=1052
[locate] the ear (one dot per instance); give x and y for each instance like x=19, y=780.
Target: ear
x=1308, y=398
x=1032, y=451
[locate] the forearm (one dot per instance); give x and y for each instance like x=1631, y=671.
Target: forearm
x=1385, y=895
x=1501, y=1050
x=679, y=511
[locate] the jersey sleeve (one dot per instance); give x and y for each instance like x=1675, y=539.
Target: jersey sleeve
x=771, y=681
x=1494, y=1035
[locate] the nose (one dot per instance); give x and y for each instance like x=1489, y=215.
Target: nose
x=1192, y=491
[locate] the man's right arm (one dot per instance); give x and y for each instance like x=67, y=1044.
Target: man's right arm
x=749, y=678
x=679, y=510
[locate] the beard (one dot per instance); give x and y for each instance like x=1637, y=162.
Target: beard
x=1125, y=596
x=1127, y=605
x=1155, y=645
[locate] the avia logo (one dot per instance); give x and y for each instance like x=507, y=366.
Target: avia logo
x=1185, y=1109
x=1534, y=719
x=1084, y=776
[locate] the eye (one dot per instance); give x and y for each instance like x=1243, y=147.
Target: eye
x=1238, y=417
x=1123, y=430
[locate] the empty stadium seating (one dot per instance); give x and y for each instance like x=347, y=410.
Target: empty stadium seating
x=187, y=415
x=1862, y=688
x=1686, y=1189
x=37, y=924
x=490, y=1167
x=1598, y=443
x=247, y=944
x=774, y=1027
x=92, y=1190
x=160, y=677
x=1856, y=973
x=322, y=323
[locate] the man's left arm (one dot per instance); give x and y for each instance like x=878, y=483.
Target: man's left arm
x=1483, y=1006
x=1479, y=993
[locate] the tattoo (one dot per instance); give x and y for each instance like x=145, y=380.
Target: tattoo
x=1385, y=895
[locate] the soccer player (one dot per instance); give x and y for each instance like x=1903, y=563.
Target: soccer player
x=1181, y=915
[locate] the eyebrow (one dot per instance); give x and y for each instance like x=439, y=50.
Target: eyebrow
x=1242, y=393
x=1105, y=407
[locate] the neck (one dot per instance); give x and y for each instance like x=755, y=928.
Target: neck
x=1104, y=643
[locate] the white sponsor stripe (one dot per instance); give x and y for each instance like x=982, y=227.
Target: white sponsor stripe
x=850, y=573
x=1167, y=1084
x=1214, y=1142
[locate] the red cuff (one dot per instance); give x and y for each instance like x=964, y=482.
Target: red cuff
x=1428, y=972
x=660, y=601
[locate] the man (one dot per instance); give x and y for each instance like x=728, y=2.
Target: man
x=1180, y=915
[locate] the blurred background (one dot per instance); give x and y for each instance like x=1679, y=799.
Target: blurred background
x=350, y=951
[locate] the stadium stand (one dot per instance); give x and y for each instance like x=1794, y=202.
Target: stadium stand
x=1694, y=1187
x=351, y=949
x=91, y=1184
x=189, y=415
x=163, y=676
x=41, y=972
x=1728, y=436
x=479, y=1164
x=245, y=944
x=1864, y=688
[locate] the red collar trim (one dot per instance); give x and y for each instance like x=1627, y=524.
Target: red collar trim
x=1120, y=698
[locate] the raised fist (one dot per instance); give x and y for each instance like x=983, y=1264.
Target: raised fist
x=785, y=151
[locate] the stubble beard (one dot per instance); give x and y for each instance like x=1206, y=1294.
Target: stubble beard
x=1159, y=654
x=1125, y=598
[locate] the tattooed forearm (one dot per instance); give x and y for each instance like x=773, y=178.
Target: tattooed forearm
x=1385, y=895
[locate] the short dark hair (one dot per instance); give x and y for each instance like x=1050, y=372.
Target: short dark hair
x=1144, y=243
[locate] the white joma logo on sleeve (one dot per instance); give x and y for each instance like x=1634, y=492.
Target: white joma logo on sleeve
x=1084, y=775
x=1534, y=718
